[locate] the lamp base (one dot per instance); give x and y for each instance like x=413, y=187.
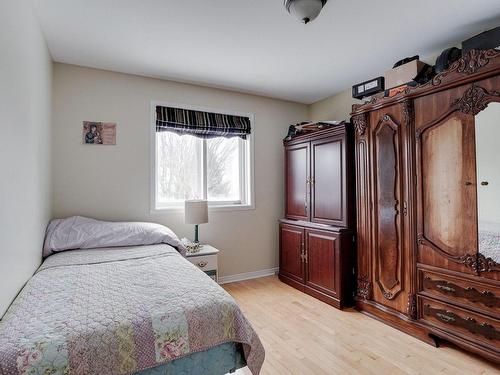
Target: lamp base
x=196, y=234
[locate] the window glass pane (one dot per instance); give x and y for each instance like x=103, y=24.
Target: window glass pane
x=179, y=167
x=223, y=169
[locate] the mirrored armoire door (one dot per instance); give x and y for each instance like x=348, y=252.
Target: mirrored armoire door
x=458, y=189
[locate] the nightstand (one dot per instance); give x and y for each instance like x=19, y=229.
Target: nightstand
x=206, y=260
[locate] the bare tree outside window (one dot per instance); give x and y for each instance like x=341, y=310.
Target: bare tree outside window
x=192, y=168
x=222, y=169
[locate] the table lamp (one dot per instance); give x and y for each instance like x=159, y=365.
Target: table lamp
x=196, y=212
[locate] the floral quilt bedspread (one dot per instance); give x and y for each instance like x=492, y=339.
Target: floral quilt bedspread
x=119, y=311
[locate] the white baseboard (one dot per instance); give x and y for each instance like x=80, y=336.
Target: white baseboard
x=248, y=275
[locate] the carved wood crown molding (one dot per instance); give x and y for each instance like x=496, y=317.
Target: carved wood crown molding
x=471, y=63
x=474, y=62
x=360, y=123
x=475, y=99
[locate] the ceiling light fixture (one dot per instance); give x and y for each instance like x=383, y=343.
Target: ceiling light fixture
x=305, y=10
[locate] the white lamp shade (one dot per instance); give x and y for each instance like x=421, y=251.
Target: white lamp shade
x=196, y=212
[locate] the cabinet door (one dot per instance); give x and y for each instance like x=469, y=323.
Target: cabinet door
x=297, y=181
x=322, y=261
x=389, y=255
x=328, y=205
x=446, y=170
x=291, y=252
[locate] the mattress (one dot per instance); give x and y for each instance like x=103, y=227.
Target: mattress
x=122, y=311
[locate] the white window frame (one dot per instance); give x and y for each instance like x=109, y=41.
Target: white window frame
x=247, y=155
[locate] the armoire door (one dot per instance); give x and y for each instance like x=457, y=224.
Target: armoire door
x=292, y=252
x=328, y=203
x=297, y=180
x=322, y=259
x=389, y=256
x=446, y=171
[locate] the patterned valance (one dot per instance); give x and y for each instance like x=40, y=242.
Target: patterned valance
x=201, y=124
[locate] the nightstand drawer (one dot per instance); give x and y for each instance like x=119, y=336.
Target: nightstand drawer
x=204, y=262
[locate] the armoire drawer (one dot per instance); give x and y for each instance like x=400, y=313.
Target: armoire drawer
x=460, y=322
x=482, y=298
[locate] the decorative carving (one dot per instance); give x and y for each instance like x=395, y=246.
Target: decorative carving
x=475, y=60
x=477, y=262
x=468, y=260
x=412, y=306
x=485, y=297
x=407, y=112
x=364, y=289
x=470, y=324
x=475, y=99
x=472, y=62
x=360, y=123
x=386, y=294
x=486, y=264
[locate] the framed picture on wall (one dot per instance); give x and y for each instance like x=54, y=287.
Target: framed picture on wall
x=99, y=133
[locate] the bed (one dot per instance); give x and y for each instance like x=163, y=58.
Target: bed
x=125, y=310
x=489, y=240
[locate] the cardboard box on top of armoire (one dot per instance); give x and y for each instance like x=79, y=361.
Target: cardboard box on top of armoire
x=403, y=74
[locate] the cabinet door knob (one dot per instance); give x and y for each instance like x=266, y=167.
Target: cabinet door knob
x=485, y=183
x=202, y=263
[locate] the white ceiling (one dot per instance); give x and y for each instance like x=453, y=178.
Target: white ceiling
x=254, y=46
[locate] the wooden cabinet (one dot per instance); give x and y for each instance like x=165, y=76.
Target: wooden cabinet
x=292, y=254
x=428, y=262
x=297, y=162
x=317, y=174
x=322, y=259
x=316, y=238
x=328, y=205
x=317, y=261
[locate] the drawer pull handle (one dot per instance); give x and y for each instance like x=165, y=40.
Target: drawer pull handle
x=484, y=297
x=202, y=264
x=446, y=318
x=446, y=288
x=485, y=329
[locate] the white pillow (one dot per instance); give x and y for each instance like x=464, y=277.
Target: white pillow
x=79, y=232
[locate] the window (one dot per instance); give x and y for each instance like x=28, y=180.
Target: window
x=218, y=169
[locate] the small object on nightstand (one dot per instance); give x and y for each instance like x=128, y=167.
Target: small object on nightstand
x=191, y=247
x=206, y=260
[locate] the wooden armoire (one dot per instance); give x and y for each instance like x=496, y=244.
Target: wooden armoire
x=428, y=211
x=316, y=236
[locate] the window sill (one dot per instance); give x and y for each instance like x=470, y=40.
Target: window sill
x=211, y=208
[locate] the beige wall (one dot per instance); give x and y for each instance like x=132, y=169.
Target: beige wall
x=25, y=95
x=112, y=182
x=336, y=107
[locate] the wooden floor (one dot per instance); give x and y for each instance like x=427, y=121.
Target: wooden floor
x=302, y=335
